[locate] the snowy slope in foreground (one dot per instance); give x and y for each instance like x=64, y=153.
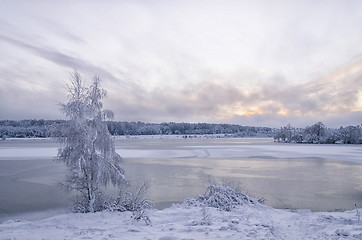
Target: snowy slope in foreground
x=244, y=222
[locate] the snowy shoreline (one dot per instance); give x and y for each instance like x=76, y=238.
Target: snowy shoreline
x=181, y=222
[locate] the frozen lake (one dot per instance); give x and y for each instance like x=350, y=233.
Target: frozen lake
x=317, y=177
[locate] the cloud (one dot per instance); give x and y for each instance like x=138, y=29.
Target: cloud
x=60, y=30
x=17, y=102
x=52, y=56
x=336, y=92
x=278, y=100
x=66, y=60
x=214, y=99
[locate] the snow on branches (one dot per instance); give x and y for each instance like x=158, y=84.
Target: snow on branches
x=224, y=197
x=88, y=149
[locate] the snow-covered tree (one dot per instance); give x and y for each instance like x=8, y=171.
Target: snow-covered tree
x=88, y=149
x=284, y=134
x=351, y=134
x=315, y=133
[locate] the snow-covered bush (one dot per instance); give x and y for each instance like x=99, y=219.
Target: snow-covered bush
x=224, y=197
x=130, y=198
x=134, y=199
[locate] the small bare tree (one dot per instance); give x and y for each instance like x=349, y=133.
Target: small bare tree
x=88, y=149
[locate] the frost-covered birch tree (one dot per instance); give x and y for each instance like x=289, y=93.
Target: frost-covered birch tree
x=88, y=149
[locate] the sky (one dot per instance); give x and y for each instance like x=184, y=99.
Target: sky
x=258, y=63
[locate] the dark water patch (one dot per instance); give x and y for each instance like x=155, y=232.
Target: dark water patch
x=30, y=186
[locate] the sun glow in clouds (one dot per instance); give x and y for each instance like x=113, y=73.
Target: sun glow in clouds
x=358, y=106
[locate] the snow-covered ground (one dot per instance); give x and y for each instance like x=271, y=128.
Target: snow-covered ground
x=181, y=222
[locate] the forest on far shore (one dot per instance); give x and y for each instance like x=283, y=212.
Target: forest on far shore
x=316, y=133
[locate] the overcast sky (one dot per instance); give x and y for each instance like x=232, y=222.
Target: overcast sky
x=259, y=63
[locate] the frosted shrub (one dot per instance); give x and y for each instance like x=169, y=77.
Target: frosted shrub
x=134, y=199
x=224, y=197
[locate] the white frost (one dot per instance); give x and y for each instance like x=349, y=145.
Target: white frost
x=244, y=222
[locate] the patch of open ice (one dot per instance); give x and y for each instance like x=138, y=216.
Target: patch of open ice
x=27, y=153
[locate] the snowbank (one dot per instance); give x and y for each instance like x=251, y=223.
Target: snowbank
x=181, y=222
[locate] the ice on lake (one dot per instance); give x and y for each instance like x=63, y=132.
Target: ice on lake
x=317, y=177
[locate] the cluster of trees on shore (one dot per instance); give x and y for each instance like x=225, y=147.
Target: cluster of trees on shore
x=30, y=128
x=171, y=128
x=316, y=133
x=319, y=133
x=50, y=128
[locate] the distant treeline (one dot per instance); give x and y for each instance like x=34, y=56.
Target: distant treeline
x=30, y=128
x=140, y=128
x=51, y=128
x=319, y=133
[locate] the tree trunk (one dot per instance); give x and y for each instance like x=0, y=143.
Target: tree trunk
x=91, y=200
